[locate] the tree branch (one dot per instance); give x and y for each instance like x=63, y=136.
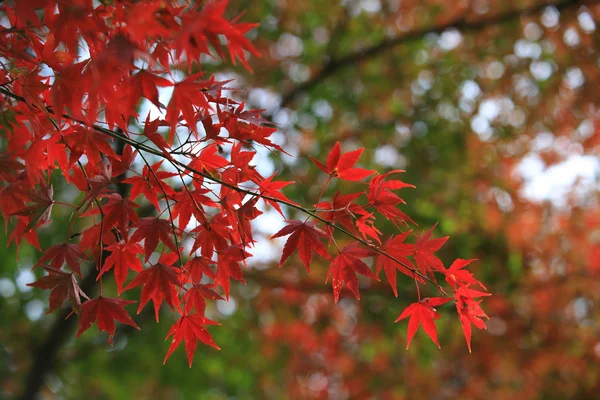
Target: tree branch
x=461, y=23
x=178, y=164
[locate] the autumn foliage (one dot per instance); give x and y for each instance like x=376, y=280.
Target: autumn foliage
x=73, y=75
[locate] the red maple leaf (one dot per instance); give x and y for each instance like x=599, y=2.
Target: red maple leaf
x=55, y=152
x=144, y=83
x=423, y=313
x=151, y=132
x=198, y=266
x=211, y=235
x=93, y=181
x=43, y=155
x=196, y=296
x=19, y=232
x=190, y=203
x=92, y=144
x=366, y=227
x=151, y=230
x=396, y=248
x=456, y=275
x=240, y=219
x=26, y=11
x=385, y=201
x=342, y=210
x=250, y=132
x=187, y=96
x=345, y=266
x=228, y=266
x=304, y=236
x=195, y=39
x=122, y=165
x=240, y=168
x=118, y=212
x=31, y=88
x=151, y=19
x=469, y=310
x=190, y=329
x=9, y=166
x=68, y=253
x=123, y=256
x=160, y=281
x=40, y=211
x=105, y=311
x=342, y=165
x=272, y=189
x=424, y=249
x=212, y=131
x=151, y=184
x=68, y=90
x=208, y=160
x=161, y=53
x=63, y=285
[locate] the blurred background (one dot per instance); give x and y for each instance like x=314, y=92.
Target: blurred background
x=492, y=109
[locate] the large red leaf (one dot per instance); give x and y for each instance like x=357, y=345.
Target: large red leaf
x=305, y=237
x=123, y=256
x=151, y=230
x=160, y=282
x=342, y=165
x=63, y=285
x=105, y=311
x=68, y=253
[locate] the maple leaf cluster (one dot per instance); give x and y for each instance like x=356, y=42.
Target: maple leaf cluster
x=74, y=73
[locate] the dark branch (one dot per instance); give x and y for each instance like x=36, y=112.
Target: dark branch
x=460, y=23
x=44, y=356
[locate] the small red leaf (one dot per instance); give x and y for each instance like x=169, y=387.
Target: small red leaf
x=190, y=329
x=424, y=249
x=345, y=266
x=423, y=313
x=342, y=165
x=469, y=310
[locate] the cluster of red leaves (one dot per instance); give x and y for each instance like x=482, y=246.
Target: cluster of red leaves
x=75, y=74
